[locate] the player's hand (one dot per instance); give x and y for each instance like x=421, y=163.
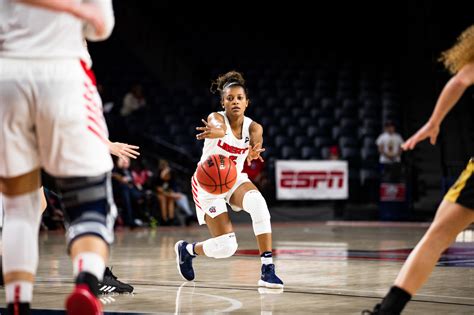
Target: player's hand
x=254, y=153
x=209, y=131
x=123, y=150
x=429, y=130
x=92, y=15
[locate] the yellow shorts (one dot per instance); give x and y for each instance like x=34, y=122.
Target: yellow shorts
x=462, y=191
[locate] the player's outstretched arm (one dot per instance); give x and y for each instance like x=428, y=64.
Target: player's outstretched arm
x=450, y=95
x=213, y=128
x=255, y=143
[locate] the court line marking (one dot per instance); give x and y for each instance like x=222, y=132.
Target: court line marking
x=294, y=291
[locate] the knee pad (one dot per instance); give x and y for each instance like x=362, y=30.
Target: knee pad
x=89, y=207
x=220, y=247
x=256, y=206
x=20, y=232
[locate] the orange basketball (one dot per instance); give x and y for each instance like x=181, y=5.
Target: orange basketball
x=217, y=174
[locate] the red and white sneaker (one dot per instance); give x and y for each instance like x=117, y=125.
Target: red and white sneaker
x=83, y=302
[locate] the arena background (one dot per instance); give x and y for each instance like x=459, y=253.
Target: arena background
x=296, y=58
x=319, y=74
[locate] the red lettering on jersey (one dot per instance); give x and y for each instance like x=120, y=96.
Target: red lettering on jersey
x=231, y=149
x=233, y=158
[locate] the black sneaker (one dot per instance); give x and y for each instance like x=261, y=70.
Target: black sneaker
x=184, y=261
x=110, y=284
x=269, y=279
x=375, y=311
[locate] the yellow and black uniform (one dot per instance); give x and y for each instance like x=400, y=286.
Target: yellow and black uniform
x=462, y=192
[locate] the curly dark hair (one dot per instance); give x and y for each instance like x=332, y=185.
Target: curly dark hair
x=226, y=80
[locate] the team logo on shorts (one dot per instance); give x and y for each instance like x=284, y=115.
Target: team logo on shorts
x=212, y=209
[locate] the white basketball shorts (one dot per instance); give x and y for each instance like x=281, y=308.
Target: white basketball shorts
x=51, y=117
x=211, y=204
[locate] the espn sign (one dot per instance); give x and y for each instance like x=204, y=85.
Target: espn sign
x=392, y=192
x=311, y=180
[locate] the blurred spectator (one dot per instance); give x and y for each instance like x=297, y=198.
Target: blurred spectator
x=169, y=194
x=389, y=144
x=127, y=193
x=143, y=180
x=133, y=100
x=256, y=173
x=334, y=153
x=141, y=175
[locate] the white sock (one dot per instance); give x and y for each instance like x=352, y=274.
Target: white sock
x=190, y=249
x=266, y=258
x=89, y=262
x=21, y=291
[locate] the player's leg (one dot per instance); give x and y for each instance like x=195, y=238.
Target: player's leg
x=223, y=244
x=455, y=213
x=20, y=238
x=19, y=183
x=42, y=207
x=450, y=220
x=210, y=210
x=72, y=137
x=90, y=214
x=247, y=197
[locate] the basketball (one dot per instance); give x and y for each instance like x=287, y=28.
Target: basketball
x=217, y=174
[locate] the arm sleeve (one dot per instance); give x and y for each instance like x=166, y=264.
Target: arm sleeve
x=106, y=8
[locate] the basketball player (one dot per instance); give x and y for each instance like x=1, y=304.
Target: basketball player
x=49, y=119
x=110, y=281
x=236, y=136
x=456, y=211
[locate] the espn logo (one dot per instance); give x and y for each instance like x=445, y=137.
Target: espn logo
x=311, y=179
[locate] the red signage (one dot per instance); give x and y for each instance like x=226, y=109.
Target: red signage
x=392, y=192
x=311, y=179
x=303, y=180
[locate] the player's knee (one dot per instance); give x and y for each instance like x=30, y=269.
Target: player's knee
x=20, y=231
x=221, y=247
x=256, y=206
x=89, y=206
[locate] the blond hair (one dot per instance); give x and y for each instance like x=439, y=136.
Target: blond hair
x=461, y=53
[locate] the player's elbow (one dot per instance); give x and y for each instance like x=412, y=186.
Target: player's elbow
x=91, y=33
x=465, y=77
x=461, y=81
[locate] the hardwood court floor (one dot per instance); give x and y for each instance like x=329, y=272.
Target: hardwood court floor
x=333, y=267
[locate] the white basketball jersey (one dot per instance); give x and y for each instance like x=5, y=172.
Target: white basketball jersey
x=31, y=32
x=229, y=145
